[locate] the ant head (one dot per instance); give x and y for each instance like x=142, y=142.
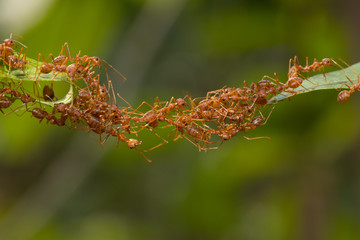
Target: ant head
x=9, y=42
x=224, y=98
x=96, y=61
x=80, y=68
x=133, y=143
x=113, y=108
x=227, y=90
x=224, y=136
x=103, y=92
x=327, y=62
x=71, y=70
x=181, y=102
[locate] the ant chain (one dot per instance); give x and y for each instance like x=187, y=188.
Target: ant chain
x=205, y=122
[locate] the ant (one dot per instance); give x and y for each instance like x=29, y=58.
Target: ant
x=5, y=102
x=8, y=57
x=6, y=48
x=39, y=113
x=344, y=95
x=48, y=93
x=50, y=117
x=87, y=62
x=57, y=64
x=15, y=62
x=315, y=66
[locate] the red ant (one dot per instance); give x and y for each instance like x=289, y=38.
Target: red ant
x=16, y=63
x=5, y=102
x=48, y=93
x=39, y=113
x=86, y=62
x=315, y=66
x=344, y=95
x=6, y=49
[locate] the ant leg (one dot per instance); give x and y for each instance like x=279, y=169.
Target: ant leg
x=157, y=103
x=42, y=63
x=194, y=143
x=341, y=87
x=217, y=147
x=142, y=154
x=206, y=143
x=172, y=99
x=176, y=137
x=276, y=79
x=216, y=92
x=143, y=103
x=345, y=63
x=67, y=53
x=119, y=73
x=255, y=138
x=291, y=62
x=324, y=75
x=152, y=148
x=192, y=102
x=358, y=82
x=67, y=50
x=267, y=118
x=102, y=142
x=110, y=86
x=296, y=60
x=106, y=138
x=346, y=74
x=297, y=65
x=15, y=110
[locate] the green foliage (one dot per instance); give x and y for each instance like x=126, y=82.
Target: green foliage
x=32, y=74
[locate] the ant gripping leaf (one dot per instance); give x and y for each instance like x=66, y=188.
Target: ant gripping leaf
x=334, y=80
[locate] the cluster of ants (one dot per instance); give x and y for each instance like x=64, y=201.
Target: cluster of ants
x=206, y=122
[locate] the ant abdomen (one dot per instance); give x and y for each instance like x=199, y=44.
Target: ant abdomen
x=133, y=143
x=48, y=93
x=343, y=96
x=5, y=103
x=294, y=82
x=149, y=116
x=39, y=113
x=195, y=132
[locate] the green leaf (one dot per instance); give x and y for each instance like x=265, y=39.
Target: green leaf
x=66, y=100
x=32, y=73
x=333, y=80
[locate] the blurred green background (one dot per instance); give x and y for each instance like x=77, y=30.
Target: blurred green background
x=304, y=183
